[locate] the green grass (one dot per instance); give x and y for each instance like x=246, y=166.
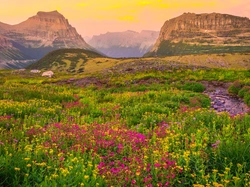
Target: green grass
x=241, y=89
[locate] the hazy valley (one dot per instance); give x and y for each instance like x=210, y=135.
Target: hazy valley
x=125, y=44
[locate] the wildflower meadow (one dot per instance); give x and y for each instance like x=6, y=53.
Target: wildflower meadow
x=122, y=133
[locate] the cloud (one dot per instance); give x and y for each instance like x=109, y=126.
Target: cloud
x=82, y=4
x=127, y=18
x=185, y=4
x=144, y=3
x=127, y=14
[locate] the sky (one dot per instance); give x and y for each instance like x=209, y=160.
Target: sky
x=94, y=17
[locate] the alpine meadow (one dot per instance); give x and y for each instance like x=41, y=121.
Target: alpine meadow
x=126, y=109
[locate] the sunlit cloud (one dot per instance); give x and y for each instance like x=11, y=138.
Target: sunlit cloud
x=91, y=16
x=186, y=4
x=82, y=4
x=144, y=3
x=126, y=18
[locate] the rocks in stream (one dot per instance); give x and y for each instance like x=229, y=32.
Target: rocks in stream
x=222, y=101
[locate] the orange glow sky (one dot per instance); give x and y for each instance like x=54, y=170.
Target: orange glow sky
x=92, y=17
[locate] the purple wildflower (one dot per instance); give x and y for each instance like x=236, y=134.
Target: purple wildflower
x=215, y=145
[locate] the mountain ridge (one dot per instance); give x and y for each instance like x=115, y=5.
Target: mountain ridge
x=208, y=29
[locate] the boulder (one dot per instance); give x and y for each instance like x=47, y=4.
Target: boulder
x=35, y=71
x=48, y=74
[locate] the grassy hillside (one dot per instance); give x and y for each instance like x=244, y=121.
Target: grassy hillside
x=221, y=60
x=71, y=60
x=81, y=61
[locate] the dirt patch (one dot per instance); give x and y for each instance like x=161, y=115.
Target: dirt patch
x=142, y=66
x=87, y=81
x=84, y=82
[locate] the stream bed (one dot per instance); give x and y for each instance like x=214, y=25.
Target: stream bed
x=221, y=100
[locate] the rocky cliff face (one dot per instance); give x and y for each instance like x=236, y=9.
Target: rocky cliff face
x=4, y=42
x=12, y=57
x=8, y=51
x=125, y=44
x=47, y=29
x=204, y=30
x=43, y=33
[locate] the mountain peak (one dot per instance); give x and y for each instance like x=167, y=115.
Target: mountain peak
x=40, y=34
x=224, y=31
x=54, y=13
x=206, y=17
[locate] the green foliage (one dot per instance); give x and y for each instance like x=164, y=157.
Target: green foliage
x=192, y=86
x=247, y=73
x=244, y=91
x=247, y=98
x=235, y=87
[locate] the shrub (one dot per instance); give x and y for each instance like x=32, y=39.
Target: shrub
x=2, y=80
x=247, y=98
x=243, y=91
x=235, y=87
x=193, y=86
x=200, y=101
x=247, y=73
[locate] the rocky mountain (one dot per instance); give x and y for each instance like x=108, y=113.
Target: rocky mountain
x=125, y=44
x=39, y=35
x=203, y=33
x=8, y=51
x=12, y=57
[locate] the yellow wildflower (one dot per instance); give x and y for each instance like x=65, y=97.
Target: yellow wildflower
x=215, y=170
x=236, y=178
x=137, y=173
x=227, y=169
x=86, y=176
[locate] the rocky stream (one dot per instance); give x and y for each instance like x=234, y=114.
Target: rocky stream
x=221, y=100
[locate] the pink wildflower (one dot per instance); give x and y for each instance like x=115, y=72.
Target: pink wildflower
x=215, y=145
x=133, y=181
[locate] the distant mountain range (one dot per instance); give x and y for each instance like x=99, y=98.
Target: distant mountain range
x=30, y=40
x=125, y=44
x=201, y=34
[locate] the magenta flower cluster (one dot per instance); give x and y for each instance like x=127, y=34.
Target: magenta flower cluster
x=126, y=157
